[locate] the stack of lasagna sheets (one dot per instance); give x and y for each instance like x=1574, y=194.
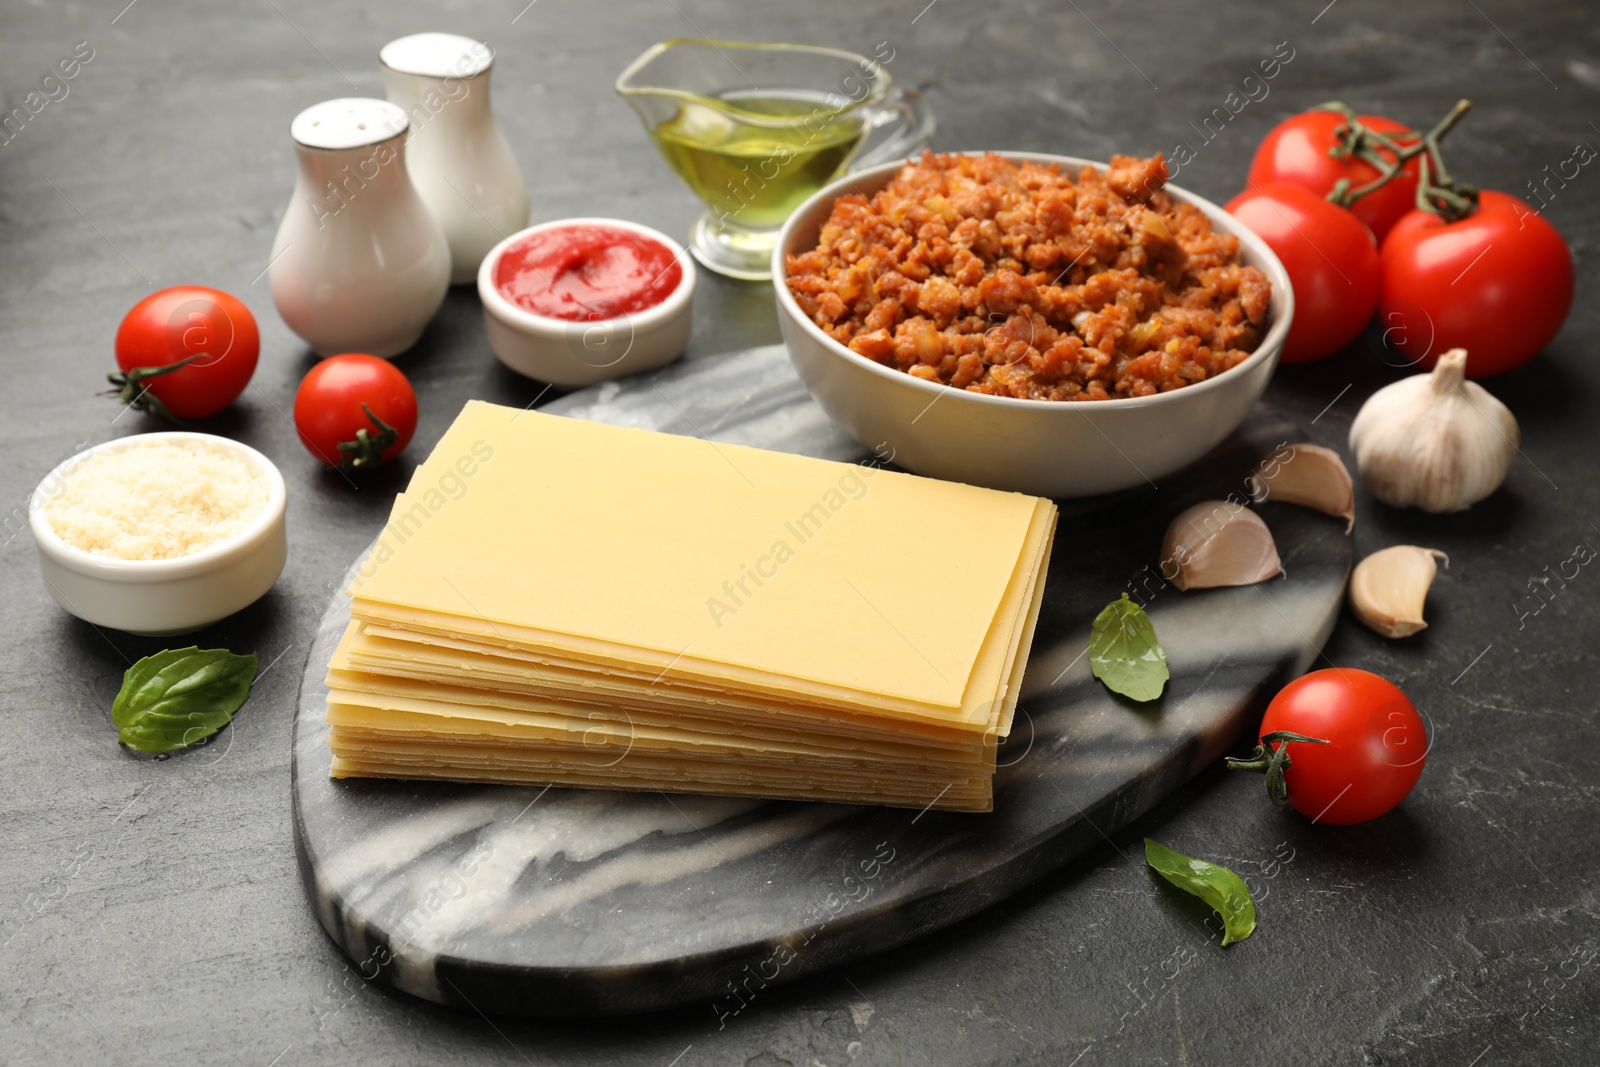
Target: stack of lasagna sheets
x=555, y=601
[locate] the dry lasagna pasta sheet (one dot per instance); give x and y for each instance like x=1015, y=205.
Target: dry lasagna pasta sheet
x=555, y=601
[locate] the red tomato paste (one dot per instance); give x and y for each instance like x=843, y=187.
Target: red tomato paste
x=586, y=273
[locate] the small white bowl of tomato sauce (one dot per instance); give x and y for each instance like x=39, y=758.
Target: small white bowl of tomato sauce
x=579, y=301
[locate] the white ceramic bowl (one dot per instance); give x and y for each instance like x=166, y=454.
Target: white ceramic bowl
x=1047, y=448
x=163, y=596
x=574, y=354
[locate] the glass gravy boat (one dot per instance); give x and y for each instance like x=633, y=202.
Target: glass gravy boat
x=755, y=129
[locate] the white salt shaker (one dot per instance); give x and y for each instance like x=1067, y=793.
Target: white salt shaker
x=359, y=264
x=461, y=165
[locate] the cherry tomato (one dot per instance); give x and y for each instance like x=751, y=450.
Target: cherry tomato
x=1377, y=744
x=1497, y=283
x=355, y=411
x=206, y=325
x=1298, y=151
x=1332, y=263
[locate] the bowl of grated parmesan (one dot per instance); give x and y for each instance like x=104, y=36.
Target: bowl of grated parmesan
x=160, y=533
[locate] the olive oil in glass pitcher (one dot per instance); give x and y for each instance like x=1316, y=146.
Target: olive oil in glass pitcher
x=755, y=129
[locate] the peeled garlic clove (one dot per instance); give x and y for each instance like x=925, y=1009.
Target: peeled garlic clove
x=1218, y=543
x=1308, y=475
x=1434, y=441
x=1389, y=587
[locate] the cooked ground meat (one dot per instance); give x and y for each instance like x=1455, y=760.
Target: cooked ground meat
x=1017, y=280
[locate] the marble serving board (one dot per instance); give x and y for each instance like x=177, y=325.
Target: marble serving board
x=566, y=902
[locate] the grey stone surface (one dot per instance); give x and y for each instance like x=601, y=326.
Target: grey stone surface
x=152, y=911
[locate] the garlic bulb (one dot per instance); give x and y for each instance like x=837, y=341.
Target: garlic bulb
x=1434, y=441
x=1216, y=543
x=1308, y=475
x=1389, y=587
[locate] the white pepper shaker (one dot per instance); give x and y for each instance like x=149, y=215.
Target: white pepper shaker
x=460, y=162
x=359, y=264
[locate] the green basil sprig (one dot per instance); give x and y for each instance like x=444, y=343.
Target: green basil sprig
x=175, y=698
x=1216, y=885
x=1124, y=652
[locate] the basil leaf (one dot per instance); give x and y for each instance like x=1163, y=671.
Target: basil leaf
x=1124, y=652
x=1217, y=886
x=175, y=698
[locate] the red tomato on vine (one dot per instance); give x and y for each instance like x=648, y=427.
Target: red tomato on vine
x=1341, y=746
x=355, y=411
x=1332, y=263
x=186, y=352
x=1498, y=283
x=1305, y=150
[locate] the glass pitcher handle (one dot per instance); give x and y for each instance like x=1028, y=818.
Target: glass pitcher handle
x=916, y=129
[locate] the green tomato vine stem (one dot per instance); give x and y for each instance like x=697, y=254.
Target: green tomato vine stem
x=366, y=450
x=129, y=387
x=1437, y=192
x=1272, y=757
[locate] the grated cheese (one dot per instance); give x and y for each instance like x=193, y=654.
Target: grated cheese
x=156, y=500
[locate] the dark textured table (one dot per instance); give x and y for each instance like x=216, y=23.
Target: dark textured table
x=150, y=911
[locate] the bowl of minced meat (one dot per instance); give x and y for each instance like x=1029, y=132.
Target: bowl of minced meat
x=1029, y=322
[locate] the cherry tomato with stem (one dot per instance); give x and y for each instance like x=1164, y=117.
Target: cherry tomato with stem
x=1341, y=746
x=1305, y=150
x=355, y=411
x=1498, y=283
x=185, y=353
x=1332, y=262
